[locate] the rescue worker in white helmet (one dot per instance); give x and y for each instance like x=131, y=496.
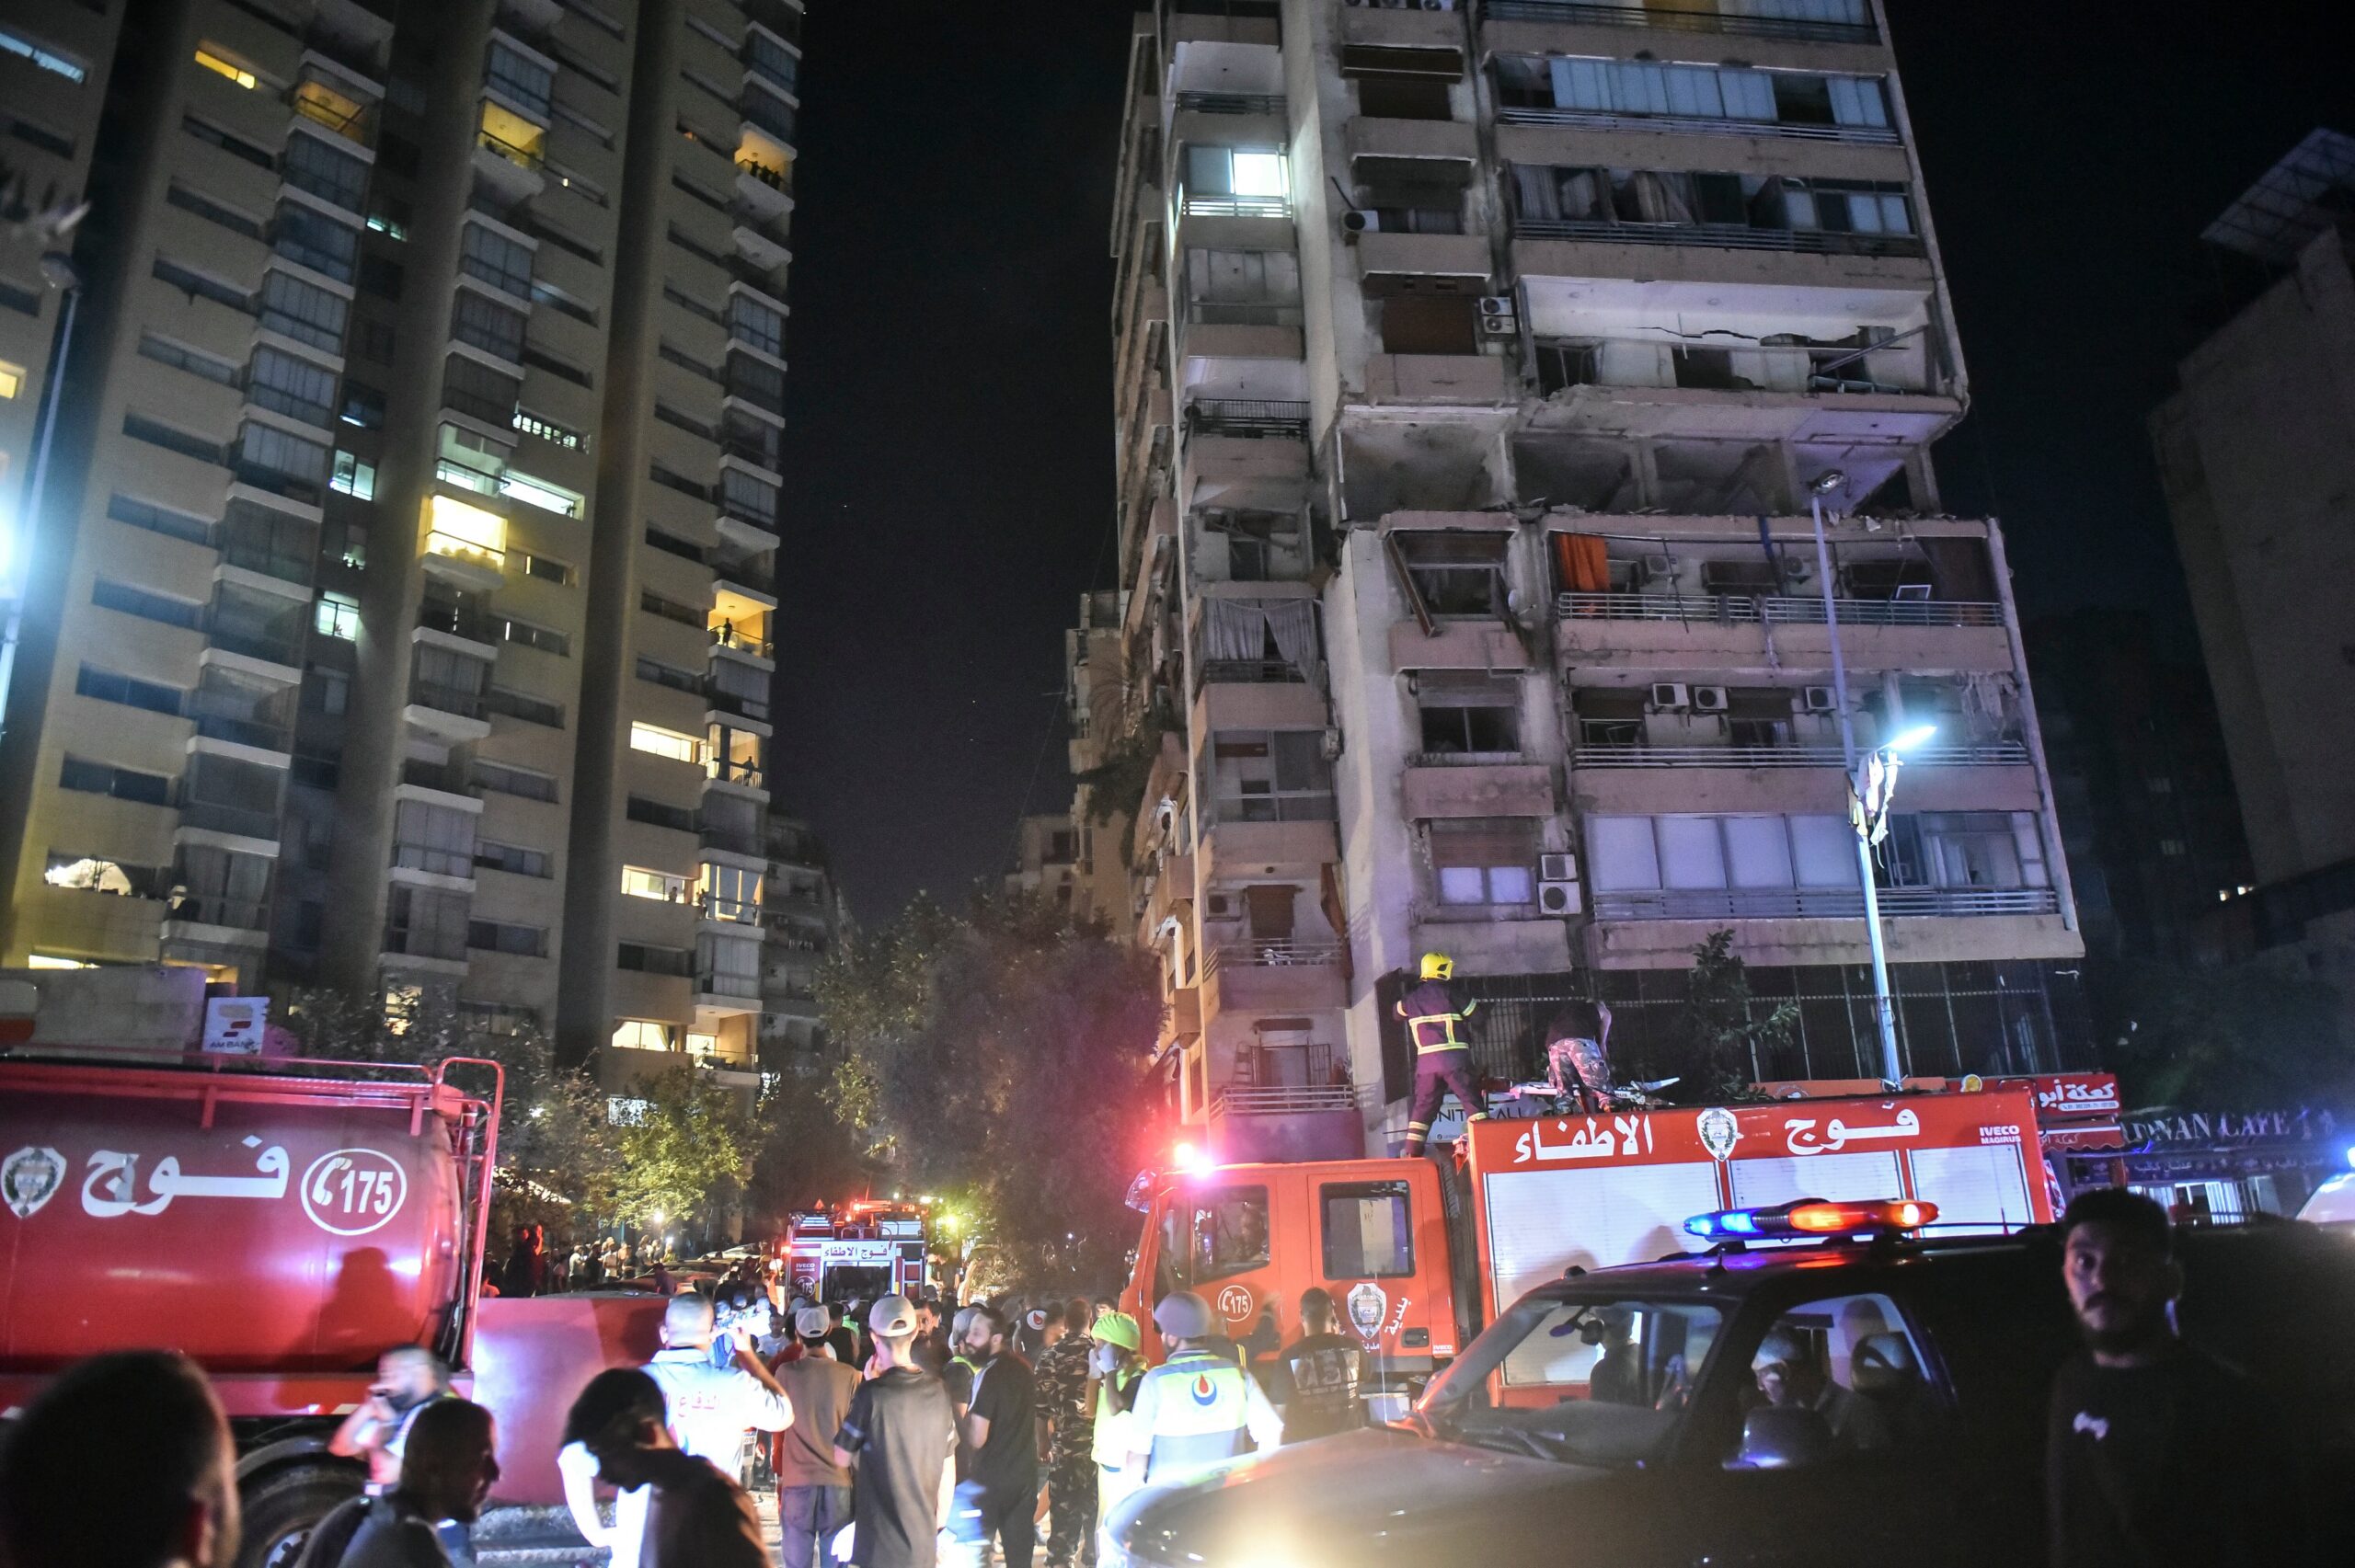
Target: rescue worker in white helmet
x=1442, y=1054
x=1197, y=1408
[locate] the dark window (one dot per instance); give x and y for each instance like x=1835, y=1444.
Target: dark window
x=108, y=687
x=363, y=406
x=203, y=206
x=310, y=238
x=235, y=146
x=159, y=520
x=669, y=675
x=514, y=781
x=373, y=339
x=41, y=136
x=303, y=311
x=497, y=936
x=513, y=859
x=487, y=325
x=497, y=261
x=550, y=570
x=130, y=601
x=123, y=783
x=399, y=155
x=1368, y=1230
x=164, y=353
x=138, y=428
x=1403, y=98
x=661, y=814
x=671, y=609
x=540, y=637
x=379, y=277
x=650, y=960
x=186, y=280
x=517, y=705
x=313, y=165
x=563, y=370
x=1431, y=324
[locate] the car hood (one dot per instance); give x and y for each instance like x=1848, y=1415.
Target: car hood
x=1384, y=1493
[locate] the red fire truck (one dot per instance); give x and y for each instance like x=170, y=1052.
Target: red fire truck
x=283, y=1227
x=858, y=1251
x=1417, y=1255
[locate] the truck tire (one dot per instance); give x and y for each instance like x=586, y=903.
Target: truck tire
x=281, y=1506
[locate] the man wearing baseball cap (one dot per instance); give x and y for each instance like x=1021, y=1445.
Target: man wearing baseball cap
x=898, y=1442
x=1197, y=1408
x=813, y=1491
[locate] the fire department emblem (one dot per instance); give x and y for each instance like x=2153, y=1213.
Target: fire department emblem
x=30, y=1178
x=1718, y=1132
x=1367, y=1305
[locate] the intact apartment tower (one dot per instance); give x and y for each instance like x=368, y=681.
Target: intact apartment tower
x=2257, y=452
x=398, y=609
x=1475, y=365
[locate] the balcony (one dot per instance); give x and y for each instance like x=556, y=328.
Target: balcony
x=445, y=778
x=1257, y=417
x=190, y=910
x=1230, y=103
x=735, y=639
x=1637, y=754
x=1694, y=124
x=1288, y=1122
x=1723, y=237
x=734, y=840
x=239, y=821
x=1720, y=609
x=458, y=702
x=1696, y=18
x=1226, y=204
x=281, y=649
x=435, y=862
x=440, y=944
x=237, y=725
x=1283, y=954
x=1821, y=903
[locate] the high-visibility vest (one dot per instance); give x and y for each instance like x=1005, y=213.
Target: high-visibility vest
x=1191, y=1413
x=1431, y=1016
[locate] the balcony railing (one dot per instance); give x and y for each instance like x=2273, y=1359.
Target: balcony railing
x=243, y=820
x=1253, y=672
x=1466, y=759
x=1997, y=754
x=742, y=641
x=1701, y=124
x=426, y=942
x=1242, y=313
x=438, y=861
x=446, y=699
x=741, y=912
x=773, y=178
x=1230, y=103
x=1781, y=610
x=448, y=777
x=1722, y=236
x=1821, y=903
x=457, y=621
x=238, y=728
x=735, y=840
x=1292, y=1100
x=1695, y=19
x=206, y=909
x=1271, y=956
x=1225, y=204
x=286, y=649
x=727, y=702
x=522, y=157
x=743, y=986
x=1257, y=417
x=454, y=548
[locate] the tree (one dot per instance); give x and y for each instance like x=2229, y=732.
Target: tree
x=1718, y=1028
x=1001, y=1056
x=685, y=1149
x=2249, y=1035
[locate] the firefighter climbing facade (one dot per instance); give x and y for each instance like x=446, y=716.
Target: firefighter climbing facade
x=1435, y=1018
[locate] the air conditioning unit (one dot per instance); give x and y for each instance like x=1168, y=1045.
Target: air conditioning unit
x=1709, y=699
x=1796, y=568
x=1497, y=317
x=1671, y=696
x=1557, y=898
x=1332, y=745
x=1214, y=905
x=1557, y=868
x=1819, y=699
x=1655, y=569
x=1358, y=220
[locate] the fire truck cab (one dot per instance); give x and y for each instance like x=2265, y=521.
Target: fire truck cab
x=859, y=1251
x=1419, y=1254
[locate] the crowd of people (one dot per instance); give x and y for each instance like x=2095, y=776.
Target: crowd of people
x=898, y=1434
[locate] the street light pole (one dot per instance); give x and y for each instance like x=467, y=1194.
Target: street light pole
x=1884, y=1015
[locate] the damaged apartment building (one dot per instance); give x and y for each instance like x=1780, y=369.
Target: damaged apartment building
x=1477, y=366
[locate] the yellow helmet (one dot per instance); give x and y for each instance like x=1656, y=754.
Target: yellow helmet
x=1438, y=967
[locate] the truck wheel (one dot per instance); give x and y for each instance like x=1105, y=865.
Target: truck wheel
x=282, y=1505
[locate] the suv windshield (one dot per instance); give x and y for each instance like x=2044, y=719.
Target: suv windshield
x=1598, y=1381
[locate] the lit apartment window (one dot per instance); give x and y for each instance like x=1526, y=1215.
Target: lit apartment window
x=1236, y=182
x=353, y=478
x=541, y=494
x=89, y=874
x=51, y=960
x=642, y=1034
x=11, y=380
x=465, y=532
x=512, y=137
x=337, y=617
x=637, y=882
x=666, y=743
x=50, y=61
x=222, y=66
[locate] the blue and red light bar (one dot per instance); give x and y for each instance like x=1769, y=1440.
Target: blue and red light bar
x=1813, y=1217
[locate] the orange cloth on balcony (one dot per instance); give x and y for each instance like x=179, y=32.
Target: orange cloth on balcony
x=1582, y=562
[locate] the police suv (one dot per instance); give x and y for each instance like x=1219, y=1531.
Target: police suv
x=1865, y=1397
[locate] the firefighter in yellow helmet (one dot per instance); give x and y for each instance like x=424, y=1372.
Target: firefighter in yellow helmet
x=1442, y=1054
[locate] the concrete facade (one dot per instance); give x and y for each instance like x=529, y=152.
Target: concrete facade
x=1474, y=368
x=400, y=607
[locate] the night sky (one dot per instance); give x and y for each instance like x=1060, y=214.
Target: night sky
x=949, y=447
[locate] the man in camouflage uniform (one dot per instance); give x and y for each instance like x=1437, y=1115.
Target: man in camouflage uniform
x=1071, y=1425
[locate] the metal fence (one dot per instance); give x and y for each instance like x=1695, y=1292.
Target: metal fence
x=1782, y=610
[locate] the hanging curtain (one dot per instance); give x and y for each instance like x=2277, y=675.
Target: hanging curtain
x=1293, y=623
x=1539, y=195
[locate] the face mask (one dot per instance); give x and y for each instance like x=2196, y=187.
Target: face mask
x=1106, y=1360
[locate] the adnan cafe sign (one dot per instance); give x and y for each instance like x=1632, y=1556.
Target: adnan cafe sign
x=2170, y=1144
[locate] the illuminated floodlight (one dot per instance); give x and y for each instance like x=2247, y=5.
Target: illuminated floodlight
x=1915, y=738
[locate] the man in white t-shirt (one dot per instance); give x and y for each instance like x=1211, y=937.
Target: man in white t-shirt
x=709, y=1410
